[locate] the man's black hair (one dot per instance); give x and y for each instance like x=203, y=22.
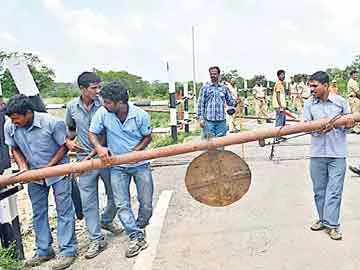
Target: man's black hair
x=280, y=71
x=115, y=91
x=19, y=104
x=86, y=78
x=215, y=67
x=320, y=76
x=353, y=72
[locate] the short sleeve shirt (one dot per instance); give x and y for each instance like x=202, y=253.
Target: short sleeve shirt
x=39, y=142
x=77, y=118
x=122, y=138
x=279, y=88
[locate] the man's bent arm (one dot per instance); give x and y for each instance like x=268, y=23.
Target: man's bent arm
x=19, y=158
x=94, y=140
x=145, y=141
x=59, y=155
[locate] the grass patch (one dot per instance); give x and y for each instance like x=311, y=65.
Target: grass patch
x=159, y=119
x=165, y=140
x=8, y=259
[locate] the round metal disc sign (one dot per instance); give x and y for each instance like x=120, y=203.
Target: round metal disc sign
x=218, y=178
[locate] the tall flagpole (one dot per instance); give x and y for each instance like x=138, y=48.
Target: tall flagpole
x=194, y=67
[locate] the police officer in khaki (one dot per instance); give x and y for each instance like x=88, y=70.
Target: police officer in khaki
x=260, y=103
x=354, y=97
x=293, y=90
x=231, y=119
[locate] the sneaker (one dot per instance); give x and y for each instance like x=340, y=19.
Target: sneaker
x=317, y=226
x=354, y=170
x=63, y=262
x=37, y=260
x=95, y=248
x=112, y=228
x=334, y=233
x=135, y=246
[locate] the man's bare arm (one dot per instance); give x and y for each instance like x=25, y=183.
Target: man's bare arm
x=59, y=155
x=102, y=151
x=145, y=141
x=19, y=158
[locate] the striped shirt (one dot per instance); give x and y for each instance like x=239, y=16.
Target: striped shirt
x=212, y=102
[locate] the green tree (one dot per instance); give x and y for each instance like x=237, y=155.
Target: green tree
x=43, y=76
x=160, y=89
x=233, y=74
x=300, y=76
x=137, y=87
x=256, y=79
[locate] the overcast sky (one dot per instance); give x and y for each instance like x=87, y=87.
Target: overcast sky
x=253, y=36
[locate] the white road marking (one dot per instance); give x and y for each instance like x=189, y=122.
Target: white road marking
x=145, y=259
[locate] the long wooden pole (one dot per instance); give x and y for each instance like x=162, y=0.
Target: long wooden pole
x=243, y=137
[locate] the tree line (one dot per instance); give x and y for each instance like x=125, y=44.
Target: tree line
x=44, y=78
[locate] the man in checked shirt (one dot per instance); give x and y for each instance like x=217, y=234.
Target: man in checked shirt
x=211, y=108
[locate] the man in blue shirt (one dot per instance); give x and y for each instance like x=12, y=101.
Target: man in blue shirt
x=37, y=140
x=79, y=113
x=211, y=107
x=127, y=129
x=328, y=154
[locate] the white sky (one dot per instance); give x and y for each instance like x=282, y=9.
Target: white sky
x=253, y=36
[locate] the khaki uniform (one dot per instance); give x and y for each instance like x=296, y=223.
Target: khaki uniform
x=304, y=92
x=293, y=91
x=333, y=89
x=231, y=119
x=260, y=103
x=354, y=102
x=299, y=100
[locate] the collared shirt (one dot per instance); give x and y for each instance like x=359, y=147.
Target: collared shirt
x=279, y=88
x=352, y=87
x=333, y=143
x=258, y=91
x=77, y=118
x=122, y=137
x=293, y=88
x=301, y=87
x=212, y=102
x=39, y=142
